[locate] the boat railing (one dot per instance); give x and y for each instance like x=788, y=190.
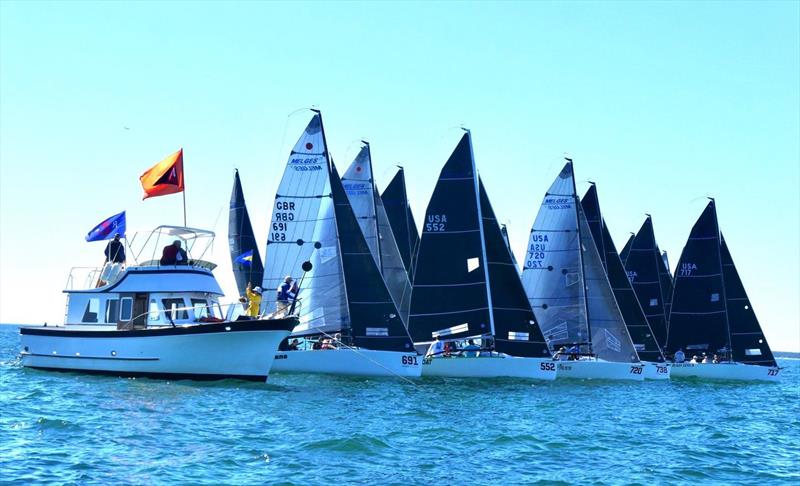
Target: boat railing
x=84, y=278
x=213, y=313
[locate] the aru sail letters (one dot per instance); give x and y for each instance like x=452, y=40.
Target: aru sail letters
x=166, y=177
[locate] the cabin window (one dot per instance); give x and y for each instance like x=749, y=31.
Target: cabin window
x=153, y=310
x=92, y=309
x=179, y=305
x=752, y=352
x=126, y=309
x=112, y=310
x=714, y=297
x=653, y=302
x=200, y=308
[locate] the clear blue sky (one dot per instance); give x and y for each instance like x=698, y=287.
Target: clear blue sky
x=659, y=103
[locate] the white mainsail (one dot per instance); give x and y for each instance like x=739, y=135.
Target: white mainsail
x=303, y=227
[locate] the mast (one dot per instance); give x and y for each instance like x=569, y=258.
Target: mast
x=580, y=254
x=483, y=236
x=408, y=224
x=375, y=195
x=722, y=275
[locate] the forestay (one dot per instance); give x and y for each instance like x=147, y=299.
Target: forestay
x=303, y=227
x=359, y=184
x=242, y=240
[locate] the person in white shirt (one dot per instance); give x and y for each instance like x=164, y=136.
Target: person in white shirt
x=436, y=349
x=679, y=356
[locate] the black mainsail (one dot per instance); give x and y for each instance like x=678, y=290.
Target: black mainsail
x=404, y=228
x=465, y=283
x=245, y=257
x=623, y=255
x=504, y=231
x=643, y=337
x=644, y=273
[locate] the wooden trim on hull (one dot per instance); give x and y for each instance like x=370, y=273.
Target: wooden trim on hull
x=155, y=375
x=285, y=324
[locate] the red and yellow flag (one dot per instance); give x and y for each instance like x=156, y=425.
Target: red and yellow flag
x=166, y=177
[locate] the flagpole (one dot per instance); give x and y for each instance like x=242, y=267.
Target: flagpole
x=184, y=207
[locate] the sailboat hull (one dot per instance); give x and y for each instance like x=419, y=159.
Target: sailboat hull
x=600, y=370
x=656, y=371
x=353, y=362
x=726, y=371
x=239, y=350
x=491, y=367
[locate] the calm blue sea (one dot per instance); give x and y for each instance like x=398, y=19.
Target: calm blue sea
x=72, y=428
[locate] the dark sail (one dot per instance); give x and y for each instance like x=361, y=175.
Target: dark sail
x=636, y=322
x=504, y=231
x=747, y=339
x=449, y=296
x=667, y=282
x=242, y=240
x=515, y=329
x=644, y=273
x=698, y=321
x=375, y=322
x=623, y=255
x=404, y=228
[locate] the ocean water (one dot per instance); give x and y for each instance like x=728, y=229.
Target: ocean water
x=304, y=429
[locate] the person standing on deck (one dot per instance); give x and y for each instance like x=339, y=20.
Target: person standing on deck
x=115, y=250
x=254, y=299
x=287, y=292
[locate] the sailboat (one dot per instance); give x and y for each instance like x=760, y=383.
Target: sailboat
x=401, y=219
x=466, y=288
x=643, y=336
x=566, y=285
x=359, y=184
x=349, y=323
x=711, y=313
x=245, y=258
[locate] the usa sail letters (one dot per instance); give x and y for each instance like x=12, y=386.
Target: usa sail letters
x=436, y=223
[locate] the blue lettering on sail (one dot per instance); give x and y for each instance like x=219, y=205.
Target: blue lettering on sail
x=686, y=269
x=436, y=222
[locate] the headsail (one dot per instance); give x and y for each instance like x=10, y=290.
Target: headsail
x=504, y=230
x=623, y=255
x=375, y=321
x=516, y=331
x=450, y=297
x=644, y=273
x=698, y=321
x=667, y=282
x=245, y=257
x=404, y=228
x=303, y=227
x=643, y=337
x=747, y=338
x=359, y=184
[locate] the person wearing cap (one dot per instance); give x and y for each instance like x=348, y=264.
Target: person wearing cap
x=254, y=299
x=115, y=250
x=287, y=291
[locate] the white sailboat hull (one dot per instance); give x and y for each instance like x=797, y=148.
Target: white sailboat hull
x=726, y=371
x=491, y=367
x=656, y=371
x=591, y=369
x=204, y=352
x=354, y=362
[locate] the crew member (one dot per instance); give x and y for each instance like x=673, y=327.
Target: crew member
x=254, y=299
x=287, y=292
x=115, y=250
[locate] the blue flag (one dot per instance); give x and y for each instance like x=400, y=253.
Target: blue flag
x=245, y=258
x=108, y=228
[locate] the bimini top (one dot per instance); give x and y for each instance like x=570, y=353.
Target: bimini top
x=146, y=279
x=146, y=245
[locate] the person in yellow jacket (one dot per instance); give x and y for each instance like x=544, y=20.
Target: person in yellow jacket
x=254, y=299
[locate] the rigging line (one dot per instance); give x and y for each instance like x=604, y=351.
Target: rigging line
x=355, y=350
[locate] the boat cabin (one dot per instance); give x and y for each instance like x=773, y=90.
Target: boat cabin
x=143, y=292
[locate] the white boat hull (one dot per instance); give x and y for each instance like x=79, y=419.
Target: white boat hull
x=656, y=371
x=203, y=352
x=354, y=362
x=590, y=369
x=490, y=367
x=726, y=371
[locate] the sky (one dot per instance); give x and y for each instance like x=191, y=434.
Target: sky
x=660, y=103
